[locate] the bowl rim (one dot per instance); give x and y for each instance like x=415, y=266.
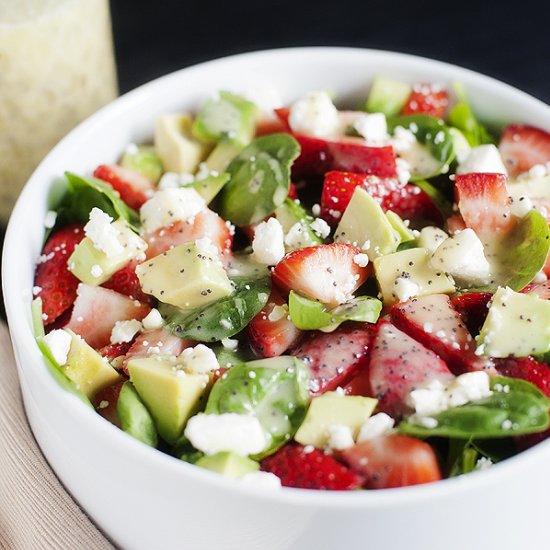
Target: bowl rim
x=23, y=339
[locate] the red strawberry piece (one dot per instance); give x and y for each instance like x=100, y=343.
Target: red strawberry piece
x=393, y=461
x=125, y=281
x=427, y=99
x=292, y=191
x=133, y=187
x=455, y=223
x=112, y=351
x=484, y=203
x=310, y=470
x=58, y=285
x=526, y=368
x=97, y=309
x=334, y=358
x=359, y=383
x=283, y=114
x=205, y=224
x=473, y=308
x=524, y=442
x=218, y=373
x=521, y=147
x=350, y=154
x=432, y=321
x=542, y=290
x=408, y=201
x=274, y=123
x=398, y=365
x=106, y=401
x=325, y=272
x=271, y=332
x=155, y=342
x=546, y=268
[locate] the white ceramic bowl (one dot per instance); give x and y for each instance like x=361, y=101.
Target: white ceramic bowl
x=143, y=499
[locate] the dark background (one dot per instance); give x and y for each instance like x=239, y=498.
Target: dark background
x=509, y=41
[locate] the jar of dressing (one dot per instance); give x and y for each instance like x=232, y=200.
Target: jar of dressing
x=56, y=67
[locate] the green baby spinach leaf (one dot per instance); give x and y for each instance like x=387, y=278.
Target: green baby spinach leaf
x=290, y=213
x=516, y=407
x=260, y=177
x=135, y=419
x=144, y=160
x=274, y=390
x=222, y=318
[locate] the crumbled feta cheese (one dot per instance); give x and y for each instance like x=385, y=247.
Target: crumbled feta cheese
x=131, y=149
x=278, y=313
x=208, y=248
x=373, y=128
x=403, y=170
x=96, y=271
x=265, y=480
x=429, y=400
x=340, y=437
x=462, y=257
x=321, y=227
x=59, y=342
x=268, y=244
x=483, y=463
x=405, y=288
x=50, y=219
x=431, y=237
x=199, y=359
x=152, y=320
x=168, y=206
x=375, y=426
x=540, y=277
x=103, y=234
x=294, y=237
x=471, y=386
x=402, y=140
x=314, y=114
x=173, y=180
x=361, y=260
x=316, y=209
x=36, y=290
x=124, y=331
x=214, y=433
x=521, y=206
x=482, y=159
x=230, y=344
x=425, y=421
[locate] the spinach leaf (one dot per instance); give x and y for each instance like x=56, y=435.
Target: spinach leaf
x=135, y=419
x=463, y=457
x=260, y=177
x=515, y=408
x=462, y=117
x=444, y=205
x=223, y=318
x=82, y=194
x=274, y=390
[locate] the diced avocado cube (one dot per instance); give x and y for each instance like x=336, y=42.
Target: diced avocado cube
x=517, y=325
x=135, y=419
x=388, y=96
x=178, y=150
x=87, y=369
x=431, y=237
x=145, y=160
x=210, y=186
x=333, y=409
x=228, y=464
x=222, y=155
x=412, y=265
x=170, y=393
x=400, y=227
x=187, y=276
x=94, y=267
x=365, y=225
x=227, y=117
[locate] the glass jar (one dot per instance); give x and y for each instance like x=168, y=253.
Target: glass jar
x=56, y=67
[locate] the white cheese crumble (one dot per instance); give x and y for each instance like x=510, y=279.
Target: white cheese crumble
x=431, y=237
x=373, y=128
x=96, y=271
x=50, y=219
x=36, y=290
x=278, y=313
x=103, y=234
x=483, y=463
x=173, y=180
x=214, y=433
x=230, y=344
x=168, y=206
x=402, y=140
x=375, y=426
x=268, y=244
x=124, y=331
x=59, y=342
x=404, y=288
x=482, y=159
x=362, y=260
x=462, y=257
x=152, y=320
x=314, y=114
x=321, y=227
x=521, y=206
x=265, y=480
x=340, y=437
x=295, y=236
x=199, y=359
x=403, y=168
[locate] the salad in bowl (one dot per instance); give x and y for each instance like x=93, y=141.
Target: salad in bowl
x=307, y=296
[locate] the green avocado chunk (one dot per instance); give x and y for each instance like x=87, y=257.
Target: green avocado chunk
x=135, y=419
x=228, y=464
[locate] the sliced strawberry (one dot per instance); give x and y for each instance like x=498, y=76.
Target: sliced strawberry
x=283, y=114
x=272, y=124
x=473, y=308
x=427, y=99
x=325, y=272
x=133, y=187
x=310, y=470
x=292, y=191
x=97, y=309
x=205, y=224
x=455, y=223
x=359, y=384
x=112, y=351
x=271, y=332
x=542, y=290
x=393, y=461
x=484, y=203
x=318, y=156
x=125, y=281
x=528, y=369
x=334, y=358
x=155, y=342
x=521, y=147
x=399, y=364
x=57, y=284
x=106, y=401
x=408, y=201
x=432, y=321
